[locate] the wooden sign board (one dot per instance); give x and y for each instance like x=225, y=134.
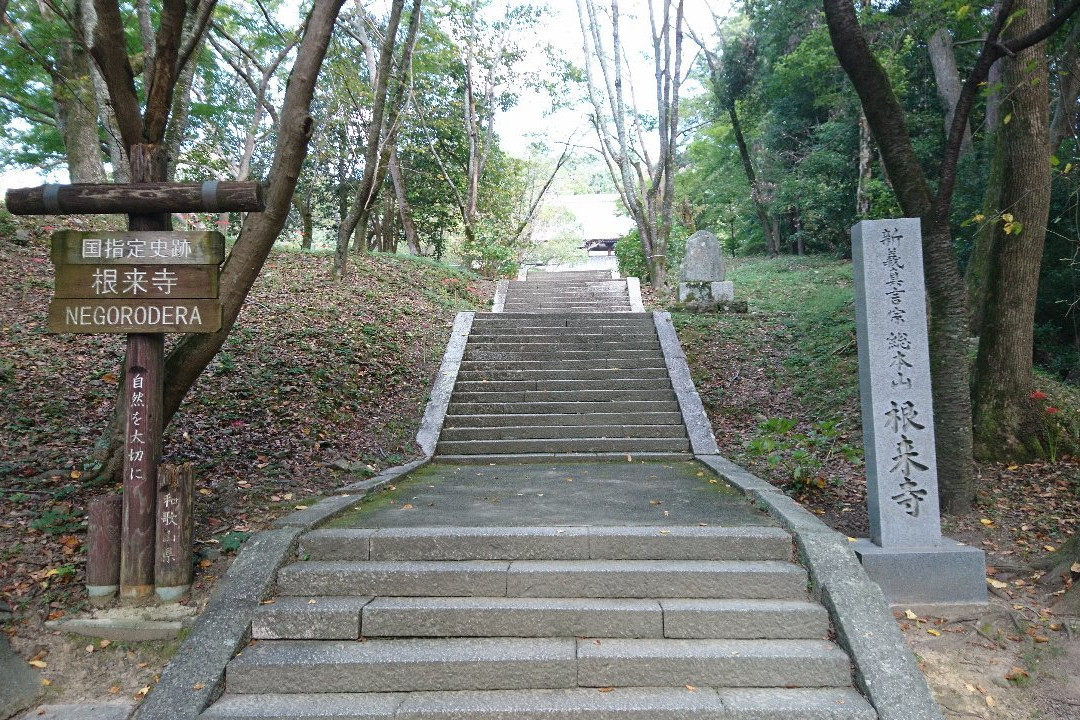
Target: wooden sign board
x=95, y=315
x=136, y=282
x=70, y=247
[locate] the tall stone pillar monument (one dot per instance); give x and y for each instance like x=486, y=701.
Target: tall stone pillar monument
x=906, y=554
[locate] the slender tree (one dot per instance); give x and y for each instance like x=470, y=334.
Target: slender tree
x=189, y=357
x=645, y=187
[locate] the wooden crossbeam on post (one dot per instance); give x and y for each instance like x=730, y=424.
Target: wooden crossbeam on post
x=93, y=296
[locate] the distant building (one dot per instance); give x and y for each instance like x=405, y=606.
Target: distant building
x=600, y=217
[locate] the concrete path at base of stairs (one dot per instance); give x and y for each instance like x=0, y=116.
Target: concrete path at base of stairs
x=561, y=493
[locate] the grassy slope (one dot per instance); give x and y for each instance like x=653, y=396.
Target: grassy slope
x=781, y=382
x=319, y=381
x=781, y=387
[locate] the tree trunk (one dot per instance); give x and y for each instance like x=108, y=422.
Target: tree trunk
x=866, y=166
x=1066, y=112
x=947, y=77
x=772, y=245
x=76, y=110
x=1006, y=421
x=977, y=273
x=945, y=290
x=187, y=360
x=412, y=240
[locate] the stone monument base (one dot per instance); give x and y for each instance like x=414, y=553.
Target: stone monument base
x=950, y=573
x=706, y=292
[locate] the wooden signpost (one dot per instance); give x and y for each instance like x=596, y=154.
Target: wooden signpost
x=144, y=282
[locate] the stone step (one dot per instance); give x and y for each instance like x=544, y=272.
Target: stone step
x=548, y=543
x=567, y=296
x=403, y=665
x=606, y=364
x=623, y=383
x=558, y=420
x=564, y=344
x=513, y=617
x=515, y=305
x=559, y=446
x=604, y=358
x=650, y=703
x=564, y=351
x=718, y=579
x=540, y=408
x=613, y=288
x=505, y=663
x=725, y=663
x=301, y=618
x=541, y=432
x=570, y=318
x=535, y=396
x=566, y=320
x=553, y=303
x=744, y=619
x=656, y=579
x=548, y=458
x=556, y=375
x=635, y=328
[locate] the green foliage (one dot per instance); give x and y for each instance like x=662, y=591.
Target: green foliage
x=57, y=520
x=631, y=256
x=232, y=540
x=801, y=455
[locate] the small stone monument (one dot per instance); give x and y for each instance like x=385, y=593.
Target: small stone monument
x=701, y=277
x=906, y=554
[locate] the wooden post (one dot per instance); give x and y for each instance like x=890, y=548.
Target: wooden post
x=144, y=379
x=175, y=531
x=103, y=549
x=148, y=203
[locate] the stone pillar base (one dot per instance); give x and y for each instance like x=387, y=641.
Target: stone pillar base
x=947, y=574
x=706, y=292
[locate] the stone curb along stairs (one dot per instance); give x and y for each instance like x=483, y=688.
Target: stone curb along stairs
x=553, y=623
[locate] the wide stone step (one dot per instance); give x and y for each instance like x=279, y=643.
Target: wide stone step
x=548, y=458
x=720, y=579
x=563, y=354
x=559, y=309
x=566, y=445
x=533, y=396
x=604, y=364
x=557, y=375
x=565, y=342
x=558, y=420
x=541, y=432
x=621, y=383
x=539, y=408
x=523, y=324
x=567, y=291
x=403, y=665
x=651, y=703
x=727, y=663
x=521, y=328
x=548, y=543
x=570, y=319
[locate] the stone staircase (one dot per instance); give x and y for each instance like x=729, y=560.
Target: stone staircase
x=532, y=385
x=552, y=623
x=561, y=292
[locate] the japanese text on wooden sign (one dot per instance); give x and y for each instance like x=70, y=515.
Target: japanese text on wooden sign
x=894, y=383
x=136, y=282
